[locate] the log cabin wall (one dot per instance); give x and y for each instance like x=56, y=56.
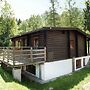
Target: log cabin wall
x=22, y=40
x=81, y=45
x=60, y=44
x=56, y=45
x=40, y=36
x=27, y=40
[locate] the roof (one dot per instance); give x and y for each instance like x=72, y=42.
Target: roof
x=51, y=28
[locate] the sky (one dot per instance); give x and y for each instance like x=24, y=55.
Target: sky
x=23, y=9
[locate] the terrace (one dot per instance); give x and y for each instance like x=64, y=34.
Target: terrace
x=15, y=56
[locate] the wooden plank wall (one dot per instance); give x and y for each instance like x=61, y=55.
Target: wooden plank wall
x=56, y=45
x=40, y=36
x=29, y=38
x=81, y=45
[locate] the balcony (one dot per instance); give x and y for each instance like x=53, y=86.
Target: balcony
x=14, y=56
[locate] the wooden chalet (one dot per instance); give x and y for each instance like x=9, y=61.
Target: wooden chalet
x=60, y=43
x=33, y=49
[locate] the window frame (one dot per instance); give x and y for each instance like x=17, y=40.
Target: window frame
x=78, y=63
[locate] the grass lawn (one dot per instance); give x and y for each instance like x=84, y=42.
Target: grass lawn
x=76, y=81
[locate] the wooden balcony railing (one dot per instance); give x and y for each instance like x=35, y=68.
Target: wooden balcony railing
x=22, y=56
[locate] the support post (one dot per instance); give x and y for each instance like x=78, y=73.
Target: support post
x=24, y=68
x=73, y=64
x=17, y=73
x=7, y=55
x=76, y=44
x=21, y=54
x=85, y=46
x=13, y=56
x=68, y=43
x=31, y=56
x=3, y=53
x=88, y=46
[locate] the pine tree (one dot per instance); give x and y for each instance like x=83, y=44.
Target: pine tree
x=53, y=13
x=87, y=16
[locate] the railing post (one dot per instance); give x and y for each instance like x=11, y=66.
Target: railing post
x=21, y=53
x=45, y=53
x=3, y=53
x=13, y=56
x=7, y=55
x=31, y=56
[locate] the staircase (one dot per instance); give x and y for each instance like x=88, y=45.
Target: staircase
x=32, y=77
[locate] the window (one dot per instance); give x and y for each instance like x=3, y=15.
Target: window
x=71, y=44
x=18, y=43
x=35, y=42
x=25, y=42
x=78, y=63
x=83, y=61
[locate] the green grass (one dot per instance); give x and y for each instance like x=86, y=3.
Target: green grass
x=70, y=82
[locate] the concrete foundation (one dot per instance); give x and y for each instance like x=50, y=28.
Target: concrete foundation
x=16, y=73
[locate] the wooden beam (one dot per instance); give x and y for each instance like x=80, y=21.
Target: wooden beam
x=3, y=53
x=76, y=42
x=31, y=57
x=13, y=56
x=28, y=39
x=45, y=44
x=7, y=55
x=68, y=43
x=45, y=36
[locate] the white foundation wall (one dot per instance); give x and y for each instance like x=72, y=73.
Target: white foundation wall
x=51, y=70
x=86, y=59
x=57, y=68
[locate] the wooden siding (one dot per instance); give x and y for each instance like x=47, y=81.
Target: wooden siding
x=81, y=45
x=21, y=40
x=56, y=45
x=29, y=39
x=40, y=36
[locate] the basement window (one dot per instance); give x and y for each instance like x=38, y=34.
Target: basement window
x=78, y=63
x=83, y=61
